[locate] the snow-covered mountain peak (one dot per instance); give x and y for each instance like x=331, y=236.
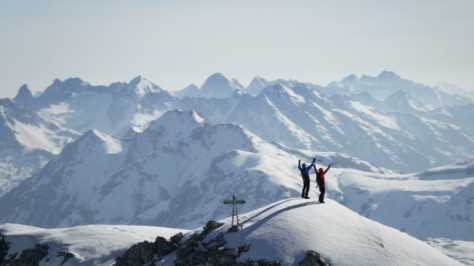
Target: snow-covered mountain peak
x=257, y=85
x=286, y=229
x=61, y=90
x=218, y=86
x=142, y=86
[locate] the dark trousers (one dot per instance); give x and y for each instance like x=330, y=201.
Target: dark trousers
x=322, y=189
x=304, y=193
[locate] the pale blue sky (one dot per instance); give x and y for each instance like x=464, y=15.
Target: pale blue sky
x=175, y=43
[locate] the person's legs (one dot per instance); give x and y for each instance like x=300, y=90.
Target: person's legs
x=304, y=189
x=322, y=189
x=306, y=185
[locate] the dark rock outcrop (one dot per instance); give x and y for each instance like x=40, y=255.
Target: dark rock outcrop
x=200, y=249
x=313, y=258
x=66, y=256
x=144, y=252
x=211, y=225
x=4, y=247
x=28, y=257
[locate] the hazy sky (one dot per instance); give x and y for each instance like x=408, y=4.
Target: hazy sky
x=175, y=43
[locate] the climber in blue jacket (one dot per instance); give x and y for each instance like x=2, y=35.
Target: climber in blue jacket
x=305, y=176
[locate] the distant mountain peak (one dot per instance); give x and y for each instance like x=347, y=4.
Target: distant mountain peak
x=218, y=86
x=190, y=91
x=388, y=75
x=349, y=79
x=24, y=94
x=143, y=86
x=74, y=82
x=215, y=79
x=257, y=85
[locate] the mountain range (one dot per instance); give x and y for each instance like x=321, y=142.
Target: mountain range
x=403, y=132
x=133, y=153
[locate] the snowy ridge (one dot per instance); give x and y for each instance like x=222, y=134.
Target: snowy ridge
x=286, y=229
x=90, y=244
x=281, y=231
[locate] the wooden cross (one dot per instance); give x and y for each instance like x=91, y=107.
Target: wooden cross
x=234, y=203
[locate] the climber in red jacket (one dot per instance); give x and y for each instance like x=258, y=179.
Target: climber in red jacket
x=321, y=182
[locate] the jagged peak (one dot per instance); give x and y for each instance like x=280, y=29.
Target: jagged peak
x=350, y=79
x=65, y=87
x=143, y=86
x=75, y=82
x=258, y=81
x=24, y=94
x=257, y=85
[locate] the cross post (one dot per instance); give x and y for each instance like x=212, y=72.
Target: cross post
x=234, y=203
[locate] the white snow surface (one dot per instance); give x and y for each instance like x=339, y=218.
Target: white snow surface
x=286, y=229
x=462, y=251
x=282, y=231
x=90, y=244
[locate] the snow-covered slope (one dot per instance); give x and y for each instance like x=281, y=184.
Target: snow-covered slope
x=177, y=172
x=90, y=244
x=434, y=203
x=286, y=229
x=281, y=231
x=27, y=142
x=173, y=174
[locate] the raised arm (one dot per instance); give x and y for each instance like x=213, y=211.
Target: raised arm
x=327, y=169
x=312, y=164
x=299, y=164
